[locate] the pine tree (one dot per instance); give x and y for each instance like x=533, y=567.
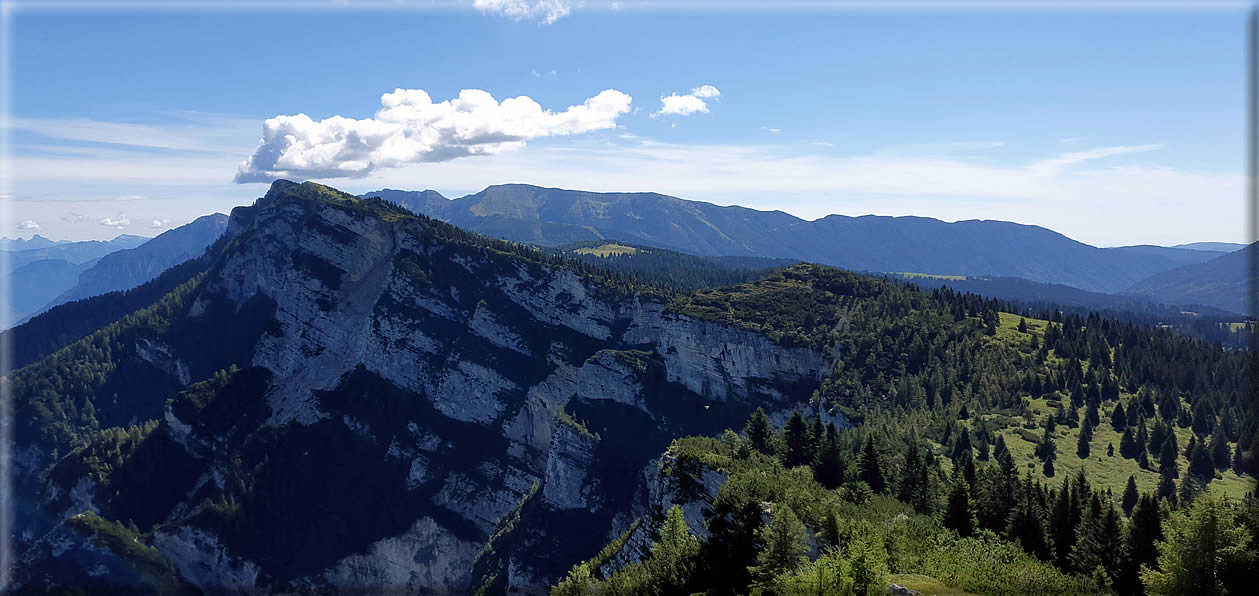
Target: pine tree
x=1100, y=541
x=1128, y=444
x=1082, y=444
x=959, y=512
x=1000, y=452
x=1145, y=530
x=1201, y=466
x=1168, y=458
x=1028, y=524
x=1204, y=552
x=796, y=440
x=1167, y=485
x=1130, y=496
x=830, y=470
x=1189, y=490
x=1118, y=419
x=1220, y=452
x=870, y=467
x=1022, y=325
x=783, y=540
x=760, y=432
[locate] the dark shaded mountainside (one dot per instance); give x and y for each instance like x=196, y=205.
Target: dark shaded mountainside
x=1226, y=282
x=341, y=396
x=549, y=216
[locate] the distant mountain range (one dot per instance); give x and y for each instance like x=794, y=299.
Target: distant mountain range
x=126, y=269
x=40, y=269
x=60, y=272
x=1223, y=282
x=549, y=216
x=31, y=243
x=1212, y=246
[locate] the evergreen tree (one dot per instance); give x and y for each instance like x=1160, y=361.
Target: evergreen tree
x=783, y=542
x=1167, y=485
x=1220, y=452
x=796, y=440
x=959, y=512
x=1028, y=523
x=870, y=467
x=1144, y=531
x=1082, y=444
x=1128, y=444
x=1118, y=418
x=1201, y=465
x=1168, y=458
x=1022, y=325
x=830, y=470
x=760, y=432
x=1204, y=552
x=1189, y=491
x=1130, y=496
x=1100, y=541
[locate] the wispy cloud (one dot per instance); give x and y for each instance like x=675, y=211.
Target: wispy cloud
x=410, y=128
x=190, y=132
x=1065, y=160
x=691, y=103
x=159, y=223
x=543, y=11
x=29, y=224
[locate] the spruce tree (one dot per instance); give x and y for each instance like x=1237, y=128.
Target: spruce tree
x=830, y=469
x=1082, y=444
x=783, y=542
x=1201, y=466
x=870, y=467
x=1167, y=486
x=1130, y=496
x=796, y=440
x=1128, y=444
x=1168, y=458
x=760, y=432
x=1118, y=419
x=959, y=512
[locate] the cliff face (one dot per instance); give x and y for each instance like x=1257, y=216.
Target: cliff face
x=414, y=387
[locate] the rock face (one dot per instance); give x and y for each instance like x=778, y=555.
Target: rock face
x=412, y=396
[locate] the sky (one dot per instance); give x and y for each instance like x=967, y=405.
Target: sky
x=1113, y=127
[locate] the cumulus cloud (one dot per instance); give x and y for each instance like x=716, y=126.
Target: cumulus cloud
x=685, y=105
x=410, y=128
x=29, y=224
x=158, y=224
x=116, y=222
x=545, y=11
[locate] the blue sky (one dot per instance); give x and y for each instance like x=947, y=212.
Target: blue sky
x=1115, y=127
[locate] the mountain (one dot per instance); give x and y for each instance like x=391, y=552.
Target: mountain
x=1212, y=246
x=37, y=282
x=343, y=397
x=128, y=268
x=37, y=275
x=18, y=244
x=549, y=216
x=1224, y=282
x=403, y=361
x=74, y=252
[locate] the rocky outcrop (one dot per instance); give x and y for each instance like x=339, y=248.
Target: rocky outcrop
x=477, y=350
x=567, y=467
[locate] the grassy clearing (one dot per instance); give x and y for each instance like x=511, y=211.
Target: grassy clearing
x=1106, y=471
x=924, y=584
x=607, y=250
x=908, y=275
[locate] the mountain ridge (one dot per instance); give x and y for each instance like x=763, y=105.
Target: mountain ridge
x=549, y=216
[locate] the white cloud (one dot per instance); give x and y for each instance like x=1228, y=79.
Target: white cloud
x=771, y=130
x=545, y=11
x=410, y=128
x=158, y=224
x=706, y=92
x=29, y=224
x=116, y=222
x=691, y=103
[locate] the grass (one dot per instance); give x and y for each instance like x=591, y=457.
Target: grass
x=928, y=586
x=908, y=275
x=607, y=250
x=1106, y=471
